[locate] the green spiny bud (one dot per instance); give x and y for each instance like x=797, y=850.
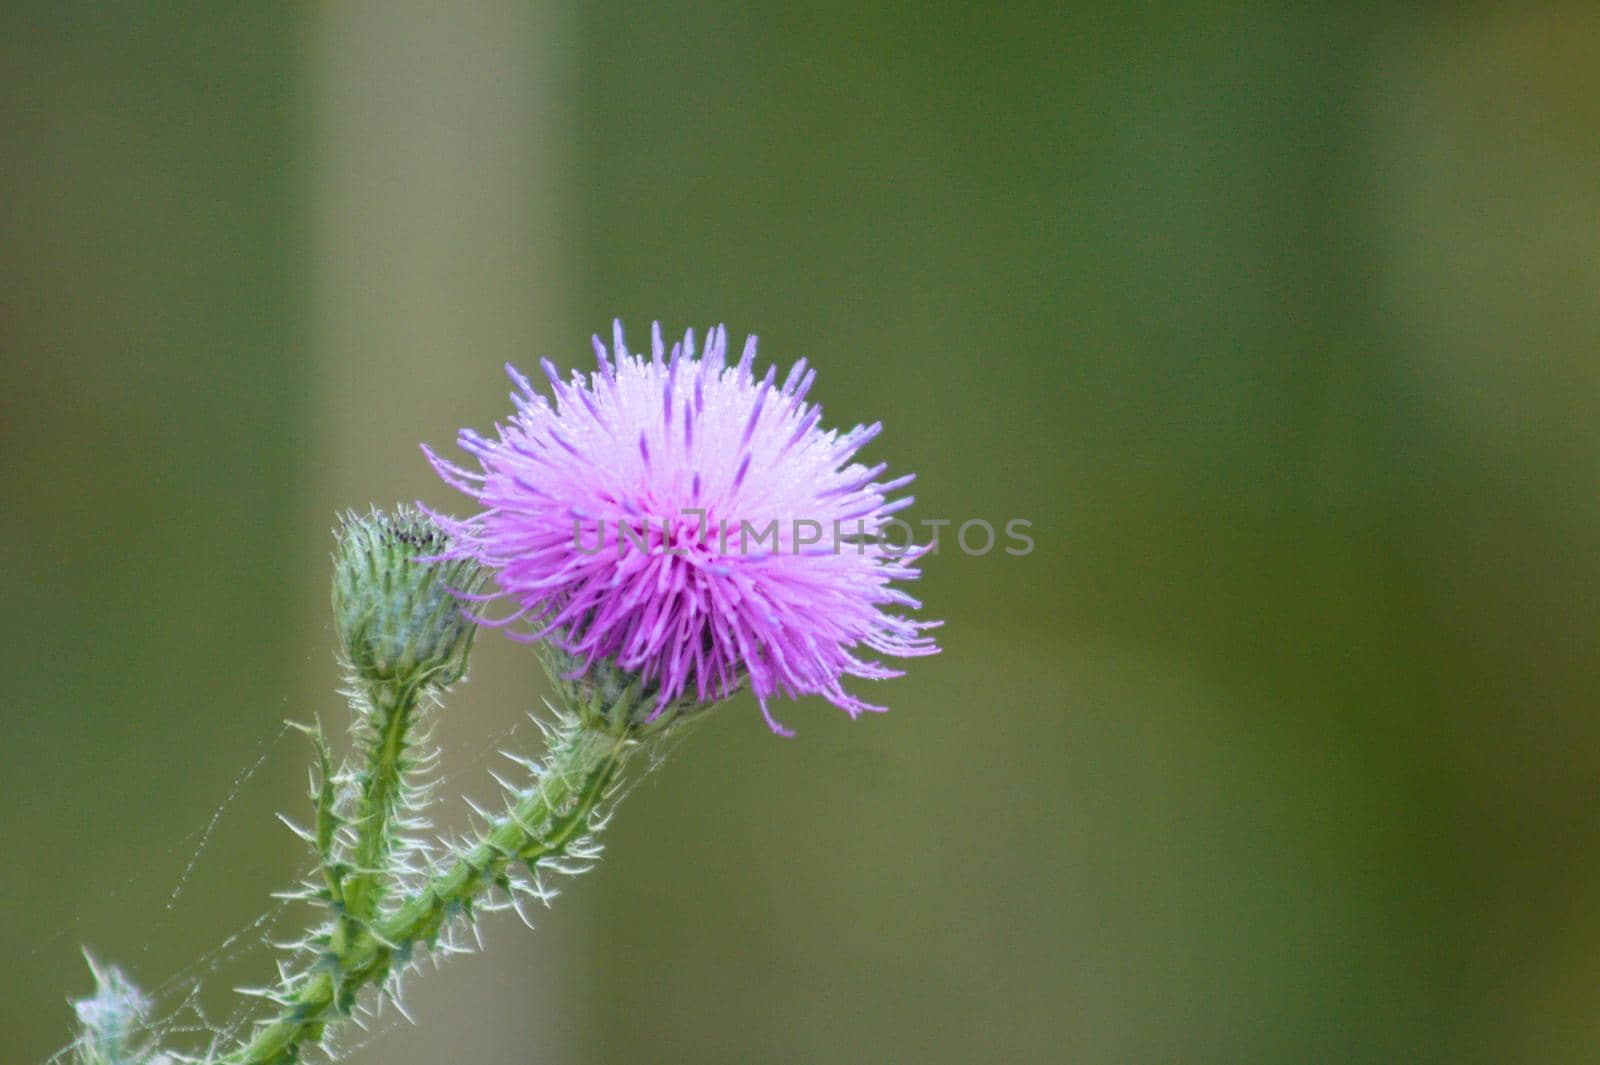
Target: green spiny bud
x=395, y=602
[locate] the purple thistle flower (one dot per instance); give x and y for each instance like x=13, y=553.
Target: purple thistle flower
x=632, y=519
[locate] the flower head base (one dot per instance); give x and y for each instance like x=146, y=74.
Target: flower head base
x=610, y=700
x=395, y=601
x=690, y=523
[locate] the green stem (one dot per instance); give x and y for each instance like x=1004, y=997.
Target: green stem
x=393, y=708
x=541, y=822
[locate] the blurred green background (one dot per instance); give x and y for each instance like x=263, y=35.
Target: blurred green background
x=1279, y=322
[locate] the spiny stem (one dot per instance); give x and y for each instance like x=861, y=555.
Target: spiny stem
x=541, y=822
x=393, y=708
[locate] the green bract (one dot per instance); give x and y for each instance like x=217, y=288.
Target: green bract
x=613, y=700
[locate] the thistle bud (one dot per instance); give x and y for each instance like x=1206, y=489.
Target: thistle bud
x=395, y=599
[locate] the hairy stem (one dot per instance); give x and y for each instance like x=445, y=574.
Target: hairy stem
x=540, y=823
x=393, y=709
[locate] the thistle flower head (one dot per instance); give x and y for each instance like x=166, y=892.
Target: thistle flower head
x=690, y=522
x=394, y=599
